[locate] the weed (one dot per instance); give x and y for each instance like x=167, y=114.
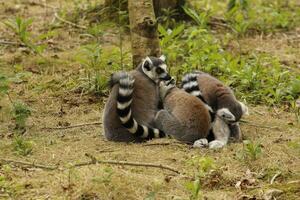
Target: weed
x=20, y=27
x=251, y=151
x=21, y=146
x=194, y=188
x=106, y=178
x=4, y=85
x=150, y=196
x=201, y=19
x=257, y=78
x=203, y=165
x=20, y=112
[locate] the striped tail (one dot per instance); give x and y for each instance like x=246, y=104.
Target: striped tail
x=124, y=100
x=190, y=85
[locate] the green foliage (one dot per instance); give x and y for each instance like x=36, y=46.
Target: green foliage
x=251, y=151
x=98, y=65
x=194, y=189
x=201, y=18
x=20, y=27
x=257, y=78
x=167, y=17
x=203, y=165
x=20, y=112
x=4, y=85
x=21, y=146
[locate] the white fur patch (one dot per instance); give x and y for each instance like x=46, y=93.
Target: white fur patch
x=126, y=118
x=209, y=108
x=145, y=134
x=225, y=114
x=190, y=85
x=122, y=106
x=201, y=143
x=163, y=66
x=187, y=77
x=134, y=128
x=196, y=93
x=125, y=91
x=156, y=133
x=245, y=109
x=163, y=58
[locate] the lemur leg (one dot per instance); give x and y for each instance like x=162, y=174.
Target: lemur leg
x=168, y=123
x=221, y=132
x=235, y=131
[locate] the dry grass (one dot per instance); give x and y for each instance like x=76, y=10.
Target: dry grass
x=53, y=106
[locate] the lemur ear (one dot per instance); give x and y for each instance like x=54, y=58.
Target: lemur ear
x=245, y=109
x=147, y=63
x=163, y=58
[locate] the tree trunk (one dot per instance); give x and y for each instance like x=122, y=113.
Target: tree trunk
x=143, y=28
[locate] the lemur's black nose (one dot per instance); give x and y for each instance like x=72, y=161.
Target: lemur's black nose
x=166, y=77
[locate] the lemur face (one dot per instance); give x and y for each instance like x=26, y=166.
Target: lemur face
x=234, y=113
x=156, y=68
x=226, y=115
x=166, y=86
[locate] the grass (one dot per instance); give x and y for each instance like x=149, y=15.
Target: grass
x=65, y=89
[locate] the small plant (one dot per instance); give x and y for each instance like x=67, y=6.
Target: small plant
x=91, y=59
x=20, y=112
x=204, y=165
x=251, y=150
x=20, y=27
x=201, y=19
x=194, y=188
x=21, y=146
x=4, y=85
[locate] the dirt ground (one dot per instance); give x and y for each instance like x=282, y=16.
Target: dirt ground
x=54, y=105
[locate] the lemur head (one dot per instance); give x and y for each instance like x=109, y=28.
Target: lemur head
x=165, y=87
x=233, y=112
x=156, y=68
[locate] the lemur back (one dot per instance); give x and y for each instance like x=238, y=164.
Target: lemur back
x=184, y=116
x=220, y=98
x=131, y=107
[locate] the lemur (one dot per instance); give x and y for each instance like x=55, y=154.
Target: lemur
x=184, y=117
x=133, y=102
x=224, y=105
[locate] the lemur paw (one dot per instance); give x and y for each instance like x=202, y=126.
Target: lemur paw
x=215, y=144
x=201, y=143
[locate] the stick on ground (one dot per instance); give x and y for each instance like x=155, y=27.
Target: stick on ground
x=73, y=126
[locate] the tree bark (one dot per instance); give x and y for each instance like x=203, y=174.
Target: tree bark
x=143, y=28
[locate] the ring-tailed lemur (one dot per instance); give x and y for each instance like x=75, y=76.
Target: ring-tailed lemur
x=133, y=102
x=225, y=107
x=184, y=117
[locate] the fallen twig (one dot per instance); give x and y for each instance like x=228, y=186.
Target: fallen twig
x=27, y=164
x=163, y=143
x=68, y=22
x=91, y=162
x=274, y=177
x=73, y=126
x=11, y=43
x=113, y=162
x=258, y=125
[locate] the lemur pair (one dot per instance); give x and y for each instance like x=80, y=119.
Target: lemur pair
x=132, y=113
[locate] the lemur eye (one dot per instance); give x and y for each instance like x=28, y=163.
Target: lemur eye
x=159, y=70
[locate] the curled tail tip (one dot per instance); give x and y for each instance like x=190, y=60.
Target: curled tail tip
x=115, y=78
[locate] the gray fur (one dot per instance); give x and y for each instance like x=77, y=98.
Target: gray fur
x=184, y=116
x=219, y=97
x=144, y=103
